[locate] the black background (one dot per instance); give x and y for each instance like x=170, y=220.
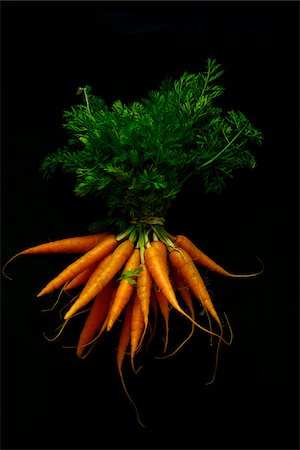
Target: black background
x=51, y=400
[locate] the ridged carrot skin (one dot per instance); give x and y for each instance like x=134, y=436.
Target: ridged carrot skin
x=154, y=309
x=201, y=258
x=144, y=286
x=88, y=259
x=183, y=291
x=137, y=327
x=164, y=309
x=161, y=247
x=95, y=318
x=124, y=290
x=79, y=244
x=158, y=268
x=183, y=262
x=102, y=277
x=80, y=279
x=124, y=339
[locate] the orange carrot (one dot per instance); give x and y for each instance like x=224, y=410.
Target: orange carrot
x=79, y=244
x=201, y=258
x=144, y=286
x=161, y=247
x=159, y=271
x=184, y=291
x=101, y=277
x=164, y=309
x=154, y=309
x=80, y=279
x=88, y=259
x=183, y=262
x=124, y=341
x=137, y=327
x=124, y=291
x=95, y=318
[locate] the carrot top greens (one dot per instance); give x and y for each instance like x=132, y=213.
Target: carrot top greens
x=138, y=156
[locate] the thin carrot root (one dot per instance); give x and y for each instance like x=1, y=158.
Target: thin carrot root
x=60, y=328
x=130, y=399
x=179, y=346
x=57, y=300
x=7, y=263
x=218, y=352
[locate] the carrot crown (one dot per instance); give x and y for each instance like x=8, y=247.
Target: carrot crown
x=138, y=156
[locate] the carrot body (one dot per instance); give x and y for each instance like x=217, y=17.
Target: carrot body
x=201, y=258
x=158, y=268
x=124, y=290
x=80, y=279
x=183, y=291
x=88, y=259
x=154, y=308
x=124, y=339
x=183, y=262
x=79, y=244
x=102, y=276
x=95, y=318
x=164, y=309
x=161, y=247
x=144, y=286
x=137, y=326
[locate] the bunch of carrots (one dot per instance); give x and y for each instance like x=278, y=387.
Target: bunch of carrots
x=126, y=276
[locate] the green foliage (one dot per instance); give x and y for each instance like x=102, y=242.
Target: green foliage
x=130, y=275
x=138, y=156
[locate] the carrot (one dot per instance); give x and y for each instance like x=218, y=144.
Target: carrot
x=164, y=309
x=161, y=247
x=137, y=327
x=184, y=291
x=183, y=262
x=80, y=279
x=154, y=309
x=88, y=259
x=95, y=318
x=124, y=291
x=124, y=341
x=159, y=270
x=79, y=244
x=144, y=286
x=201, y=258
x=102, y=276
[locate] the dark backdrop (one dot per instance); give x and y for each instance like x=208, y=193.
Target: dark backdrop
x=51, y=400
